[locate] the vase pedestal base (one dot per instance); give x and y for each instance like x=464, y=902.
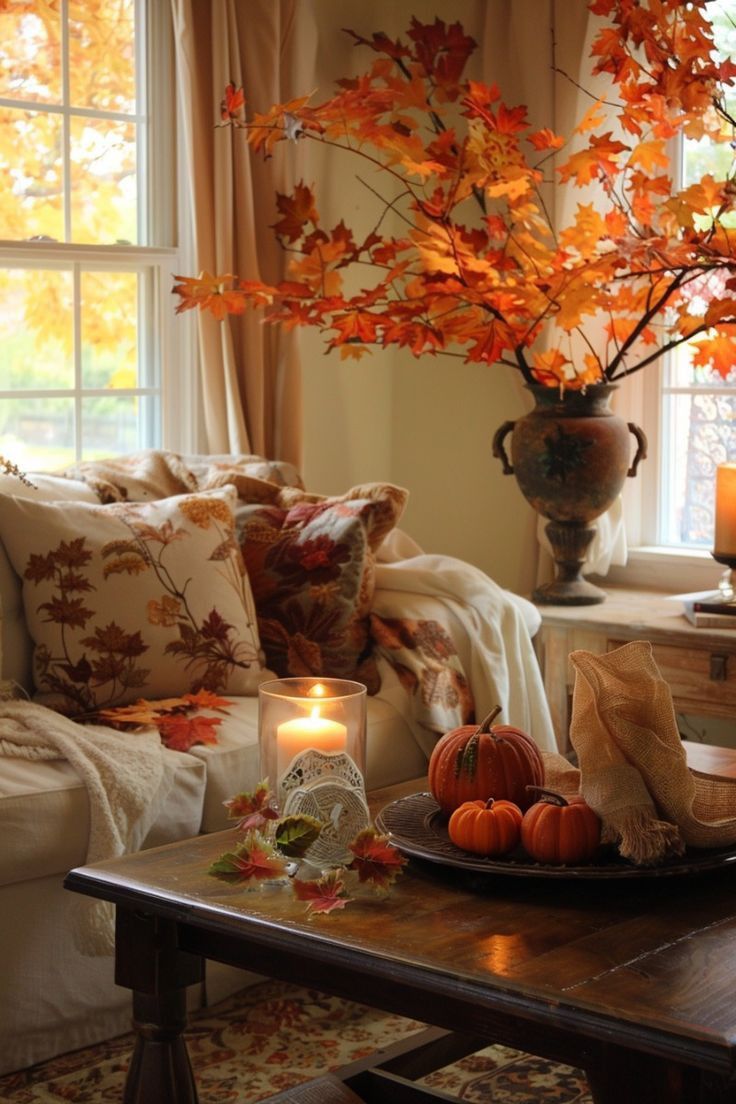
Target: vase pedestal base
x=570, y=541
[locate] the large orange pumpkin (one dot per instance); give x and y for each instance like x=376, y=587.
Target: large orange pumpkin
x=475, y=762
x=555, y=830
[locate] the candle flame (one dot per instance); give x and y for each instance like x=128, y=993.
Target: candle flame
x=315, y=713
x=317, y=691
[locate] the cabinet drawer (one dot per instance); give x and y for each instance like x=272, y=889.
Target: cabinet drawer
x=689, y=673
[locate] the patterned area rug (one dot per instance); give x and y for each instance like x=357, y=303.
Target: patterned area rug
x=271, y=1036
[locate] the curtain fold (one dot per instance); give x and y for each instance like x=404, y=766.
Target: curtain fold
x=250, y=374
x=543, y=61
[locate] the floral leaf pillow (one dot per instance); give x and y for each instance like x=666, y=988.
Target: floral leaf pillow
x=311, y=563
x=133, y=600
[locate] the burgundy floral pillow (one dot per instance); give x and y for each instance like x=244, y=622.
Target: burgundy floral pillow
x=311, y=564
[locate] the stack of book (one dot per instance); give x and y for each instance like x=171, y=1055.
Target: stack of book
x=707, y=610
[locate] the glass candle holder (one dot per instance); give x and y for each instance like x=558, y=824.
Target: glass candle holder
x=311, y=733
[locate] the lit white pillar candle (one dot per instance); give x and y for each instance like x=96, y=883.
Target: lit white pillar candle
x=309, y=732
x=725, y=537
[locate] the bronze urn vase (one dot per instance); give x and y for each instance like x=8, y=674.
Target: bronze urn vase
x=570, y=456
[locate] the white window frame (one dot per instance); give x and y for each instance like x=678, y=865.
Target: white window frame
x=167, y=346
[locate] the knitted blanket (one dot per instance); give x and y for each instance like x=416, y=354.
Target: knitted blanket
x=127, y=777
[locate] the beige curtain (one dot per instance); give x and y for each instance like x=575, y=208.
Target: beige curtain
x=250, y=377
x=543, y=57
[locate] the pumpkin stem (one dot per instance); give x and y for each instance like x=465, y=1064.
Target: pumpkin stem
x=485, y=724
x=491, y=801
x=550, y=796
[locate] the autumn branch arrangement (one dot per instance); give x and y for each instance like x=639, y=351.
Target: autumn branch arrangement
x=475, y=267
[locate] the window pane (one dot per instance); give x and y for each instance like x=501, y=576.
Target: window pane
x=103, y=181
x=30, y=54
x=109, y=329
x=102, y=55
x=704, y=425
x=114, y=424
x=37, y=434
x=31, y=179
x=35, y=329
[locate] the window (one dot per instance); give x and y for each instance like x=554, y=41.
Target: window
x=85, y=228
x=697, y=423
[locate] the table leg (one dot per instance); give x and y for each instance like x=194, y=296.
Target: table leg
x=644, y=1079
x=160, y=1071
x=148, y=961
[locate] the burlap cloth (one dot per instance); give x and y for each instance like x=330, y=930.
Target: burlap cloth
x=632, y=765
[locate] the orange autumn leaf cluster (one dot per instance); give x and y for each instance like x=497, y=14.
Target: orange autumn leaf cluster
x=178, y=720
x=477, y=269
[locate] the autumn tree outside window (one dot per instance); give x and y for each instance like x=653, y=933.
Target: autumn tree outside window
x=84, y=260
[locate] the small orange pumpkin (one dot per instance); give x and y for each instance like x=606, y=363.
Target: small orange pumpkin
x=560, y=831
x=475, y=762
x=486, y=827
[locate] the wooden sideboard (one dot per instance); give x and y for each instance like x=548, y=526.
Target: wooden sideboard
x=699, y=664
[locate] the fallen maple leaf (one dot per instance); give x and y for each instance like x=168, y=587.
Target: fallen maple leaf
x=376, y=860
x=252, y=808
x=180, y=732
x=205, y=699
x=324, y=894
x=296, y=834
x=252, y=860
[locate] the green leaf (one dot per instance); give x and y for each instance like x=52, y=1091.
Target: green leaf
x=294, y=835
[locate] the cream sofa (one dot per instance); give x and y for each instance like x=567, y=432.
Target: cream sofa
x=54, y=998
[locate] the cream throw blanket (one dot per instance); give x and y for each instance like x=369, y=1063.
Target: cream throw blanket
x=633, y=767
x=500, y=663
x=127, y=778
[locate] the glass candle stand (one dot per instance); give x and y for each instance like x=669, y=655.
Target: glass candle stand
x=312, y=745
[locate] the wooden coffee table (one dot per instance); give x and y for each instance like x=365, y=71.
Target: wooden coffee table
x=633, y=981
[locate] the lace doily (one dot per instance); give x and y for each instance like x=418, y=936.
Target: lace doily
x=342, y=809
x=310, y=766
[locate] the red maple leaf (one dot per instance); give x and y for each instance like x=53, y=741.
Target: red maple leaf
x=252, y=860
x=376, y=860
x=296, y=210
x=324, y=894
x=252, y=808
x=181, y=733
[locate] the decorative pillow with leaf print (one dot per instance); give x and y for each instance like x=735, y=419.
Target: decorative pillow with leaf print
x=133, y=600
x=311, y=564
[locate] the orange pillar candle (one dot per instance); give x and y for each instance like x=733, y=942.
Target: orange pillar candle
x=305, y=733
x=725, y=535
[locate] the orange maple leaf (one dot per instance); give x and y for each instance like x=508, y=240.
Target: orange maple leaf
x=546, y=139
x=205, y=699
x=180, y=732
x=208, y=292
x=718, y=351
x=599, y=159
x=232, y=102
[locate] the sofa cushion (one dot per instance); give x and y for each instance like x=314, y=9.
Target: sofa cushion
x=44, y=811
x=233, y=763
x=311, y=562
x=133, y=600
x=16, y=646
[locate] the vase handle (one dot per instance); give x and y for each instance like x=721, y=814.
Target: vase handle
x=641, y=448
x=498, y=450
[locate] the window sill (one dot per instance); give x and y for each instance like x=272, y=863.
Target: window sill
x=669, y=569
